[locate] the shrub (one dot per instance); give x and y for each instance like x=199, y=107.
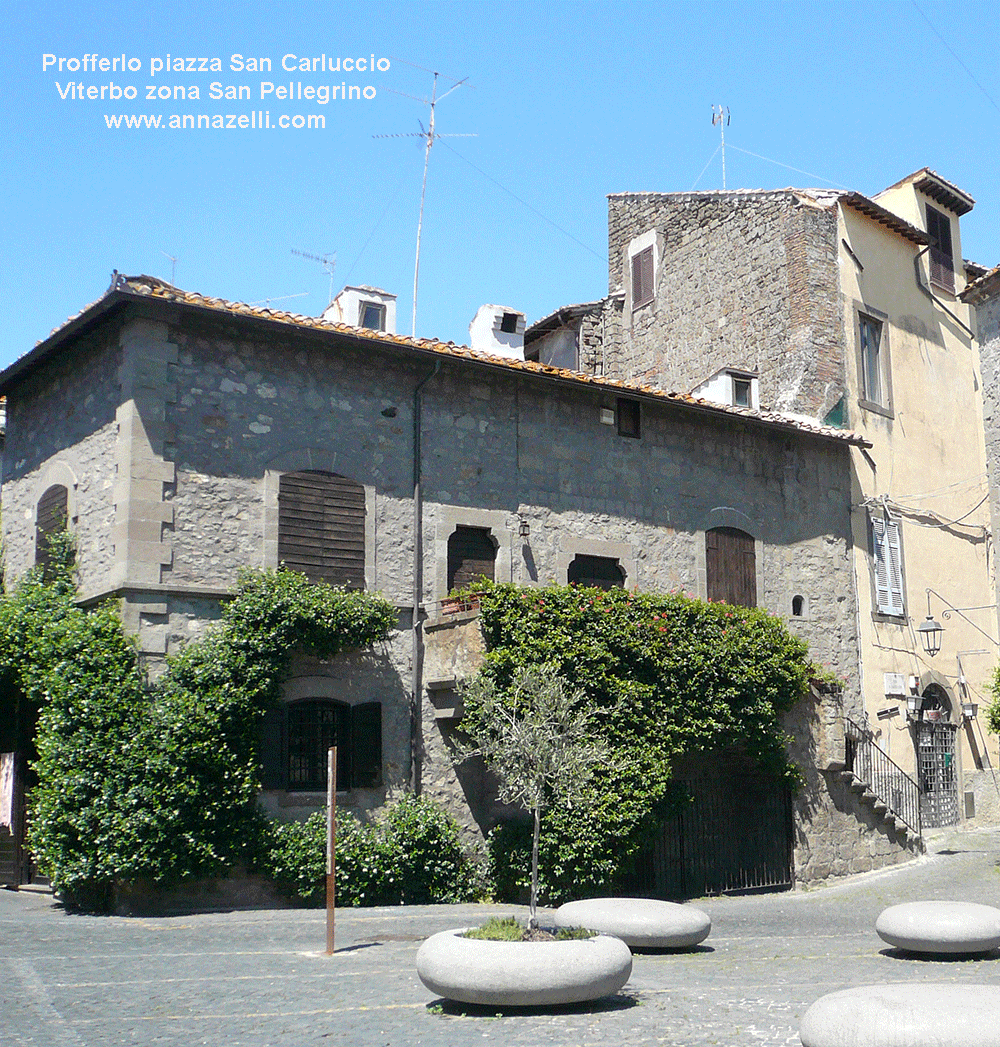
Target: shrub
x=410, y=854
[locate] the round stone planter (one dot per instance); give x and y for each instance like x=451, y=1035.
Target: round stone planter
x=522, y=974
x=927, y=1013
x=940, y=927
x=642, y=923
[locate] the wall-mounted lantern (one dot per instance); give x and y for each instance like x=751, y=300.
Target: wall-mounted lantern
x=523, y=529
x=930, y=634
x=913, y=705
x=970, y=710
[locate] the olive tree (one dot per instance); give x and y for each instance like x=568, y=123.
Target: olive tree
x=539, y=739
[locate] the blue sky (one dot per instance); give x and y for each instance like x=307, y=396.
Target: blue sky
x=569, y=102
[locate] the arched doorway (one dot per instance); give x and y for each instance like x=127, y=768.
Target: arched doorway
x=937, y=775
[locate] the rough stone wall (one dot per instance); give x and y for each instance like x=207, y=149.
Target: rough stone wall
x=988, y=331
x=836, y=834
x=744, y=279
x=61, y=428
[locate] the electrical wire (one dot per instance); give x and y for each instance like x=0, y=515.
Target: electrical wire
x=705, y=168
x=989, y=97
x=797, y=170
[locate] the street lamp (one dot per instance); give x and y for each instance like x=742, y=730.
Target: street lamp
x=930, y=633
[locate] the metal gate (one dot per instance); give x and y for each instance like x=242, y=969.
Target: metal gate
x=937, y=773
x=734, y=834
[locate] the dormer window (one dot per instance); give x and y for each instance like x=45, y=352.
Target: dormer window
x=508, y=323
x=742, y=391
x=942, y=255
x=371, y=315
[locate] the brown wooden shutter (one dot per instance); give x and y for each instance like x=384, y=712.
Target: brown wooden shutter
x=599, y=572
x=471, y=555
x=321, y=527
x=366, y=745
x=51, y=516
x=642, y=277
x=942, y=255
x=731, y=566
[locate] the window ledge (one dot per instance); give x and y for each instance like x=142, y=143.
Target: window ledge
x=889, y=619
x=869, y=405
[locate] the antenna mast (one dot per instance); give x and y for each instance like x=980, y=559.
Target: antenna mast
x=329, y=263
x=720, y=116
x=173, y=267
x=429, y=137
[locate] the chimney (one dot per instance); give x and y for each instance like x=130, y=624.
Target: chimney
x=497, y=330
x=369, y=307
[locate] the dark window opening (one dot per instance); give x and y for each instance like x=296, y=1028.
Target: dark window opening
x=508, y=323
x=372, y=316
x=51, y=516
x=597, y=572
x=797, y=604
x=731, y=566
x=296, y=737
x=942, y=256
x=321, y=527
x=741, y=392
x=629, y=418
x=471, y=555
x=642, y=277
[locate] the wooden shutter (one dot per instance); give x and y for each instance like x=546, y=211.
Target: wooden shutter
x=642, y=277
x=887, y=554
x=366, y=745
x=51, y=516
x=942, y=255
x=321, y=527
x=471, y=555
x=731, y=566
x=598, y=572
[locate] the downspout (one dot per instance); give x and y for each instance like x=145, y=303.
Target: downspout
x=417, y=676
x=932, y=296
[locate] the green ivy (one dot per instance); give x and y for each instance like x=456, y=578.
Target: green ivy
x=159, y=782
x=667, y=676
x=993, y=709
x=410, y=854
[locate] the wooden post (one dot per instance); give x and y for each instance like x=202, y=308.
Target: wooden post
x=331, y=844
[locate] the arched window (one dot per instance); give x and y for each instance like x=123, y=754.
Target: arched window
x=471, y=555
x=50, y=516
x=731, y=566
x=297, y=736
x=599, y=572
x=321, y=527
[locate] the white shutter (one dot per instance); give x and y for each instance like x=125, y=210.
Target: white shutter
x=887, y=553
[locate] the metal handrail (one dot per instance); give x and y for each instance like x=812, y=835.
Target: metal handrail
x=885, y=778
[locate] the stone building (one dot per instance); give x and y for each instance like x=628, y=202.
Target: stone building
x=185, y=437
x=847, y=310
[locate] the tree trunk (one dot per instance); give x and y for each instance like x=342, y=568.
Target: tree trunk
x=533, y=907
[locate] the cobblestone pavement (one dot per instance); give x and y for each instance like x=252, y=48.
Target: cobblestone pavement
x=248, y=979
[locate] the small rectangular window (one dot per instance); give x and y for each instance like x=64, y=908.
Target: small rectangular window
x=372, y=316
x=942, y=255
x=887, y=562
x=508, y=324
x=629, y=418
x=874, y=381
x=642, y=277
x=741, y=392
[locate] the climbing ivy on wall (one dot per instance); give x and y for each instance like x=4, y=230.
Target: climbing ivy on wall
x=667, y=675
x=159, y=782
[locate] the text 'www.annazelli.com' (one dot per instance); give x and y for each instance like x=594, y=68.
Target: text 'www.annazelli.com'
x=256, y=120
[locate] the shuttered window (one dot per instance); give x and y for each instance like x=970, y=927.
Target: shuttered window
x=731, y=566
x=887, y=560
x=642, y=277
x=296, y=737
x=471, y=556
x=51, y=516
x=321, y=527
x=598, y=572
x=942, y=255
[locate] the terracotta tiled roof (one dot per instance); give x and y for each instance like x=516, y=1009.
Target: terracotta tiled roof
x=151, y=288
x=984, y=284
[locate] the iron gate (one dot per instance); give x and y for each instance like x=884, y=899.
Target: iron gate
x=936, y=770
x=734, y=834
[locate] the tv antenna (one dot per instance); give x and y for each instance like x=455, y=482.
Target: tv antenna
x=173, y=267
x=429, y=135
x=720, y=116
x=266, y=302
x=329, y=263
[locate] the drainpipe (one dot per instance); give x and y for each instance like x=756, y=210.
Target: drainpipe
x=416, y=694
x=932, y=296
